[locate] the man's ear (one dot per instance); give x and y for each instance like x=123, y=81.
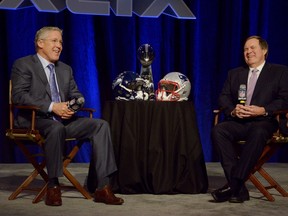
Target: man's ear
x=265, y=53
x=40, y=43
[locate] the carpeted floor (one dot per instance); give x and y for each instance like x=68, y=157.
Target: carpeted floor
x=141, y=204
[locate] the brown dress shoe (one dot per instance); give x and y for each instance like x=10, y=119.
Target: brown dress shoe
x=107, y=196
x=53, y=196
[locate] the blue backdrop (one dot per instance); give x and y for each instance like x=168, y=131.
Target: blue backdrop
x=100, y=47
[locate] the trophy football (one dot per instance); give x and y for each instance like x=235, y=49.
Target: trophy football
x=146, y=56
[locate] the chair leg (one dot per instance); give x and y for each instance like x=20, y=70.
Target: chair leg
x=31, y=159
x=272, y=182
x=261, y=188
x=264, y=189
x=24, y=186
x=76, y=183
x=69, y=176
x=38, y=170
x=267, y=153
x=41, y=194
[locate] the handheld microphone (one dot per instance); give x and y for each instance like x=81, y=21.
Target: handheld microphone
x=76, y=103
x=242, y=94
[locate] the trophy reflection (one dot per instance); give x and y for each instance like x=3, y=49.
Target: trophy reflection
x=146, y=56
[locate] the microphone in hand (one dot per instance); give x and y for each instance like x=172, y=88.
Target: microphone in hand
x=242, y=94
x=76, y=104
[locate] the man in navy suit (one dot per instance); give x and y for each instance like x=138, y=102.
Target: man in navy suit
x=30, y=86
x=253, y=122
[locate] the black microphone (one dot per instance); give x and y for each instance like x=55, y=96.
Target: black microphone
x=76, y=103
x=242, y=94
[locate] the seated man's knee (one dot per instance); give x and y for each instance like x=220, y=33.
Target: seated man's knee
x=259, y=132
x=217, y=131
x=98, y=124
x=57, y=128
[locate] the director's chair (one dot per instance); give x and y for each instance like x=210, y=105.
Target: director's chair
x=276, y=141
x=24, y=136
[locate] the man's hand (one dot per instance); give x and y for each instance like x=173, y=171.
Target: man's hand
x=61, y=109
x=242, y=111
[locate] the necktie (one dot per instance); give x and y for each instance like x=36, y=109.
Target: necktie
x=52, y=82
x=251, y=86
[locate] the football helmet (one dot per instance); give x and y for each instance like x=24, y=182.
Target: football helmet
x=130, y=86
x=174, y=86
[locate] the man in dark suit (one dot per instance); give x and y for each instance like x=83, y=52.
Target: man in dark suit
x=31, y=86
x=253, y=122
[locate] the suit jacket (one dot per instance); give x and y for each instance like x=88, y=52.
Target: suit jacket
x=30, y=86
x=271, y=90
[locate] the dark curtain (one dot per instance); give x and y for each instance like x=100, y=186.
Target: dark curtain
x=100, y=47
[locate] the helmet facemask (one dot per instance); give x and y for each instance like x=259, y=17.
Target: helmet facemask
x=168, y=91
x=173, y=87
x=130, y=86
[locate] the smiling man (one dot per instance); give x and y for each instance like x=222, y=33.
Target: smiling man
x=267, y=91
x=42, y=80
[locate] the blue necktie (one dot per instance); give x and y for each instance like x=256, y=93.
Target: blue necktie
x=52, y=82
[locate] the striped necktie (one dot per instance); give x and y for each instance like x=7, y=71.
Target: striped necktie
x=251, y=85
x=52, y=82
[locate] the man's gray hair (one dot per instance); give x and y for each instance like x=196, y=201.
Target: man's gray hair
x=42, y=33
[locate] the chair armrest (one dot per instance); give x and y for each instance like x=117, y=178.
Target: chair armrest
x=27, y=107
x=280, y=112
x=89, y=110
x=277, y=135
x=217, y=113
x=33, y=114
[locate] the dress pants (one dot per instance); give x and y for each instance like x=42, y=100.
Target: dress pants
x=102, y=163
x=256, y=134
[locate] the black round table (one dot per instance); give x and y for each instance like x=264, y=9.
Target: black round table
x=157, y=147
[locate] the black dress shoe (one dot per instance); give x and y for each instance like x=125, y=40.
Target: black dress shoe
x=222, y=194
x=240, y=197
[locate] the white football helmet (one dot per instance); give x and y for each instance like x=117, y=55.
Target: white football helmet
x=130, y=86
x=174, y=86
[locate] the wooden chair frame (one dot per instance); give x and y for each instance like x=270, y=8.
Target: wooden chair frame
x=19, y=136
x=277, y=141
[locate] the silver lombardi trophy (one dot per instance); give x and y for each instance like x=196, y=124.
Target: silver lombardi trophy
x=146, y=56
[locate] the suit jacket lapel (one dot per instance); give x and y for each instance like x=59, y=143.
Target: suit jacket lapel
x=60, y=81
x=243, y=76
x=41, y=73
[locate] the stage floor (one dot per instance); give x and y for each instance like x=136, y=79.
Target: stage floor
x=140, y=204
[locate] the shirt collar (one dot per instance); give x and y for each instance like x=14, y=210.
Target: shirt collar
x=43, y=61
x=259, y=68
